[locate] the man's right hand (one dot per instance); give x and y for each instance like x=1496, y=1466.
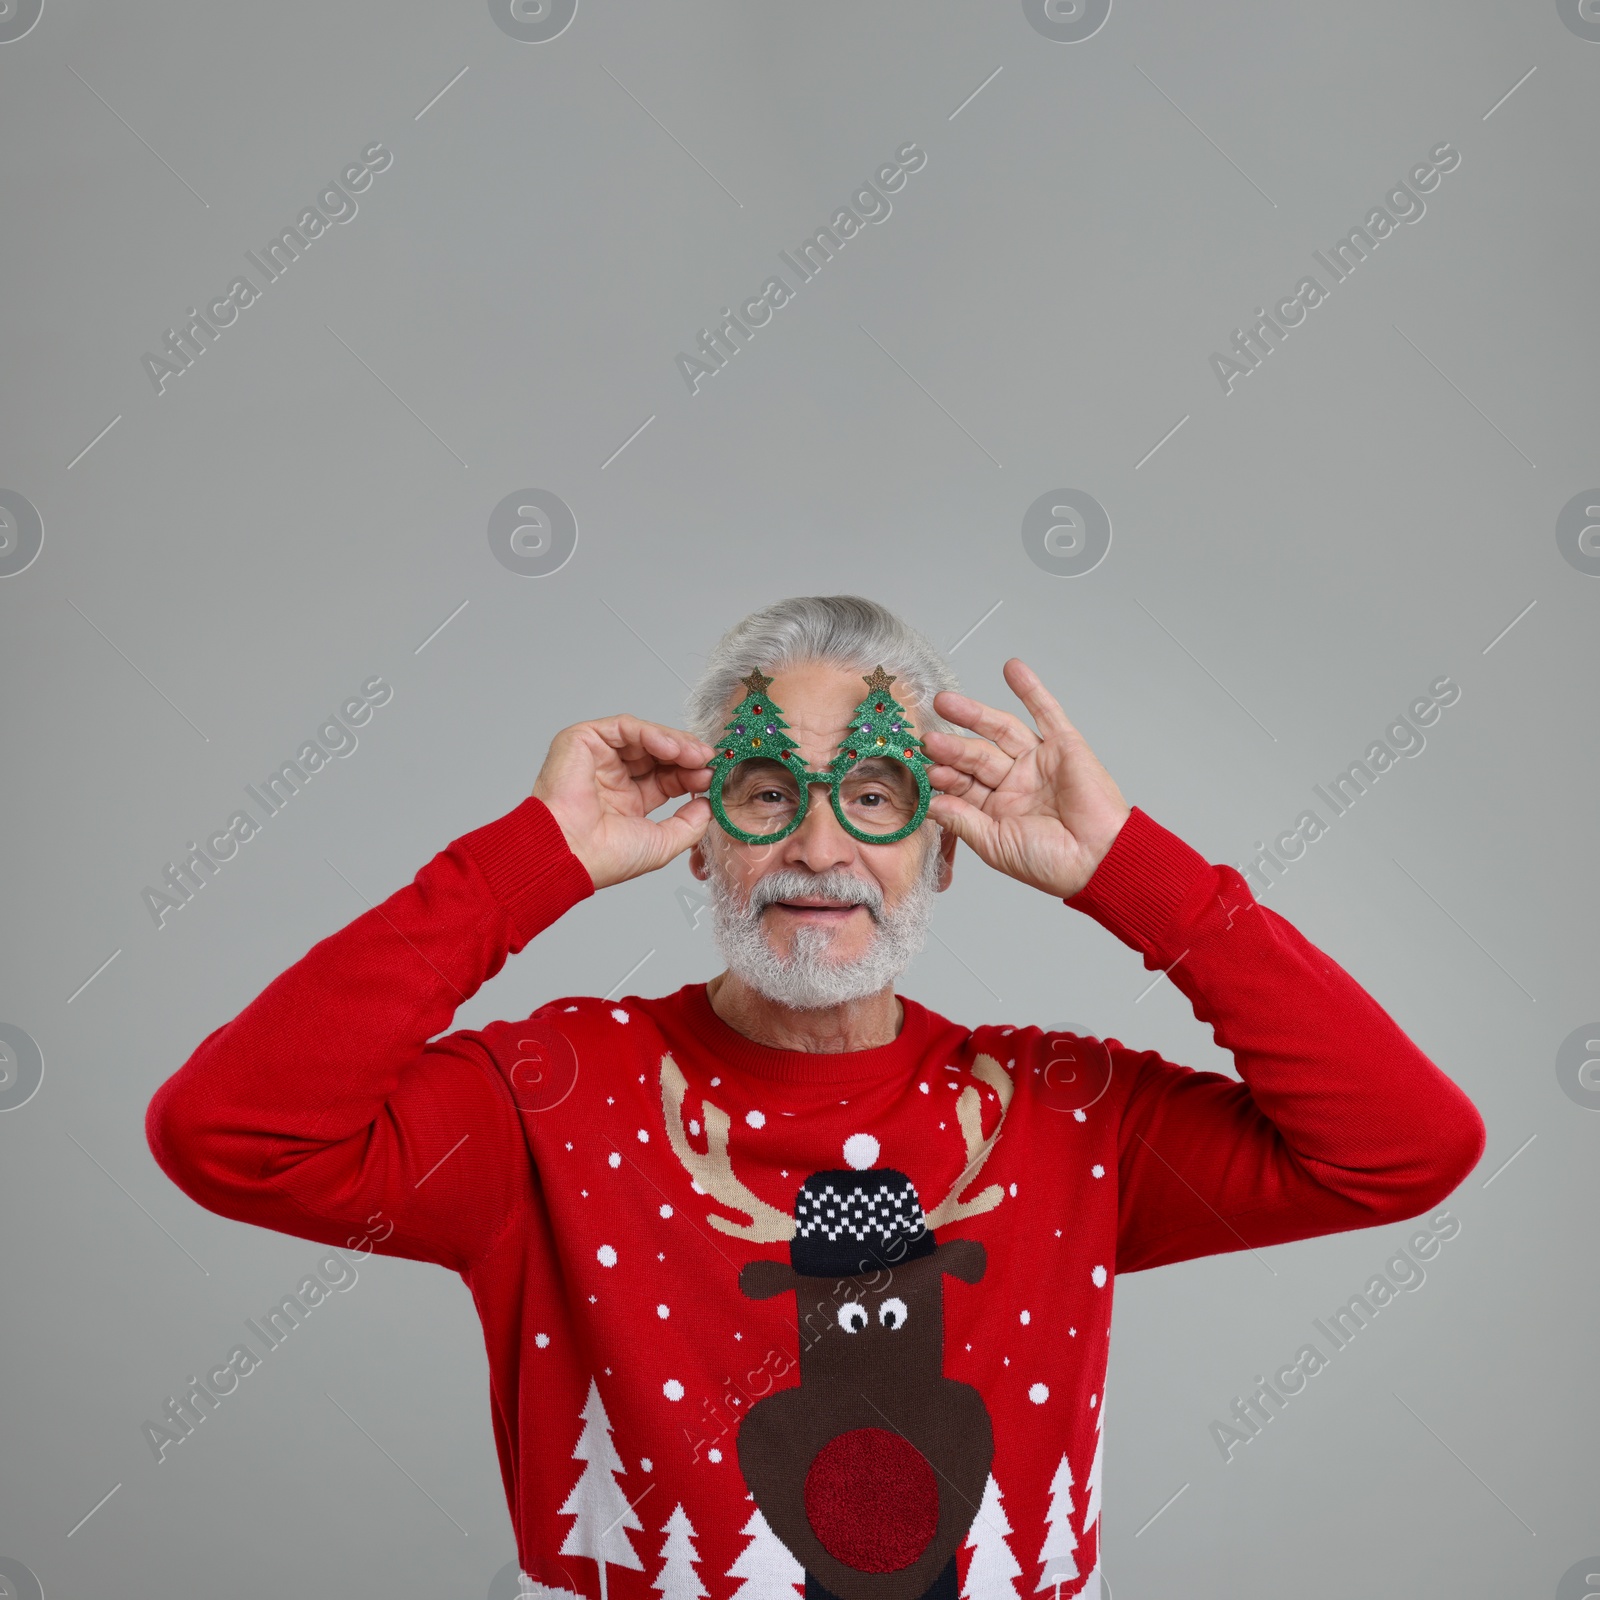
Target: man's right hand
x=601, y=780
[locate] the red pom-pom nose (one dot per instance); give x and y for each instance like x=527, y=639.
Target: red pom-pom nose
x=872, y=1500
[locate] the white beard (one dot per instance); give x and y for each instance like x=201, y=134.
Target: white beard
x=806, y=980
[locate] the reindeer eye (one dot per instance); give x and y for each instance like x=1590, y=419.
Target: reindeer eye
x=892, y=1312
x=852, y=1316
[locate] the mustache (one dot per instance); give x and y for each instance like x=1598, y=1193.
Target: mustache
x=841, y=886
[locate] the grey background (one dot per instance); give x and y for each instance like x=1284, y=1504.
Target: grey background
x=306, y=505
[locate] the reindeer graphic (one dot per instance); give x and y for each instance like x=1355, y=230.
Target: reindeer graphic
x=872, y=1469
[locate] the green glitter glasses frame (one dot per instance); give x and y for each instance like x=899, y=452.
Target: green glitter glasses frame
x=877, y=783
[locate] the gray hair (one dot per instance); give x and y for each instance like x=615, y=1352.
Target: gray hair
x=843, y=630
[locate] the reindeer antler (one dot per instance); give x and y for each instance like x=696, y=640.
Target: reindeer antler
x=969, y=1114
x=713, y=1171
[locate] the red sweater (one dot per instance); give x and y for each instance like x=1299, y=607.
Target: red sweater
x=757, y=1318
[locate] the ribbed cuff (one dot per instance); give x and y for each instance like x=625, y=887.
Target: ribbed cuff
x=1140, y=889
x=529, y=867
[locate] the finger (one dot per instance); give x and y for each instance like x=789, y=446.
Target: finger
x=661, y=784
x=965, y=821
x=949, y=780
x=644, y=761
x=1009, y=732
x=633, y=735
x=641, y=745
x=1043, y=706
x=977, y=757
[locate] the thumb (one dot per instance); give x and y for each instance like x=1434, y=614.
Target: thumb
x=964, y=820
x=683, y=828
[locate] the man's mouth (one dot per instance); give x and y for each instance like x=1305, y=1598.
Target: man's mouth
x=812, y=908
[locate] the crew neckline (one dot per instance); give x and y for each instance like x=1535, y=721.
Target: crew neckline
x=803, y=1067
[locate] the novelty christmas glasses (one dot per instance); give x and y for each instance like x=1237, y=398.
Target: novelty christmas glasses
x=878, y=782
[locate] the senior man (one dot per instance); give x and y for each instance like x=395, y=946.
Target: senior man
x=787, y=1282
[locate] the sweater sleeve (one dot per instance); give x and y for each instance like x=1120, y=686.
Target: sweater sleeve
x=1339, y=1122
x=322, y=1109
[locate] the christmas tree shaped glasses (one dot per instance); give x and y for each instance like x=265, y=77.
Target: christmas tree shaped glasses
x=877, y=783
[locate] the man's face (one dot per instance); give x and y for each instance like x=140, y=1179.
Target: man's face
x=836, y=892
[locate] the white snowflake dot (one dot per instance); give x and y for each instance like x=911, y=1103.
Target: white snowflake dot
x=1027, y=1317
x=672, y=1389
x=1080, y=1116
x=606, y=1255
x=1094, y=1400
x=860, y=1150
x=663, y=1312
x=619, y=1013
x=1072, y=1333
x=1013, y=1191
x=570, y=1008
x=715, y=1082
x=541, y=1339
x=666, y=1211
x=923, y=1087
x=646, y=1465
x=1099, y=1276
x=756, y=1119
x=713, y=1454
x=694, y=1126
x=644, y=1137
x=613, y=1160
x=1039, y=1393
x=1097, y=1170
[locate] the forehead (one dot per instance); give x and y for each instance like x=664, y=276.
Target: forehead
x=816, y=700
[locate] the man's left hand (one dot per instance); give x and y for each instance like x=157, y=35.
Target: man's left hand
x=1037, y=806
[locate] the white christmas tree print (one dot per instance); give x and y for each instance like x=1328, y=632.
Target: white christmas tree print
x=597, y=1502
x=677, y=1579
x=993, y=1567
x=1091, y=1508
x=1056, y=1553
x=767, y=1569
x=531, y=1589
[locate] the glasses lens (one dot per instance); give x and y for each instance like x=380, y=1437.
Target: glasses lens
x=760, y=797
x=878, y=795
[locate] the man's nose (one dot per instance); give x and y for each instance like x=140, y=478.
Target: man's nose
x=819, y=842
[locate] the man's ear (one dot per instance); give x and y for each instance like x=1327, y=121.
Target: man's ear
x=947, y=863
x=697, y=859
